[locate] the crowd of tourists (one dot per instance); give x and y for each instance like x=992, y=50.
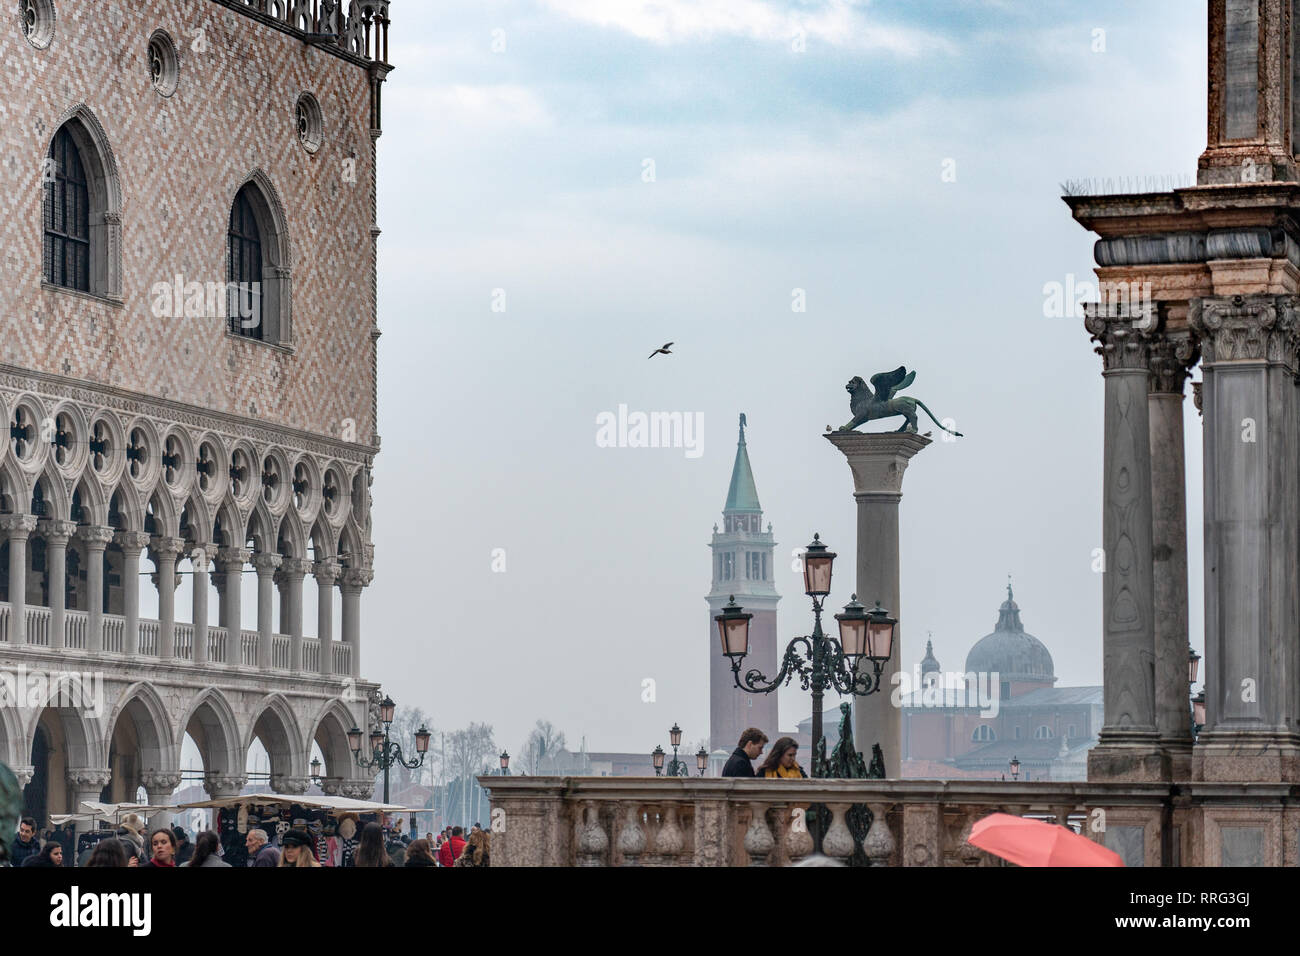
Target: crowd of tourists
x=131, y=844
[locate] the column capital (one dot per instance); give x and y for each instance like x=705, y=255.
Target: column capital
x=878, y=459
x=232, y=559
x=283, y=783
x=219, y=784
x=17, y=526
x=88, y=778
x=357, y=789
x=165, y=546
x=331, y=786
x=56, y=530
x=296, y=567
x=357, y=577
x=1262, y=328
x=1122, y=336
x=327, y=571
x=266, y=563
x=96, y=537
x=24, y=774
x=131, y=542
x=1171, y=358
x=156, y=780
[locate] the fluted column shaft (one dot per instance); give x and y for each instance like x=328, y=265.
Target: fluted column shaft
x=57, y=534
x=266, y=565
x=132, y=544
x=16, y=529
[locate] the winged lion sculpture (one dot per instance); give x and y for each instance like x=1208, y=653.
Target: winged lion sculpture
x=879, y=400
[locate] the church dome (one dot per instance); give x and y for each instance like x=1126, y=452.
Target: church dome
x=1011, y=650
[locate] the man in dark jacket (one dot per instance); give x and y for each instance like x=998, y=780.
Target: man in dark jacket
x=741, y=761
x=25, y=843
x=184, y=848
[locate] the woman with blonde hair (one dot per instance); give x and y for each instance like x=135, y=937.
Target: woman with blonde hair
x=477, y=850
x=296, y=849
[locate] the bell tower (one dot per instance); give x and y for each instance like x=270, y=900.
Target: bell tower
x=743, y=565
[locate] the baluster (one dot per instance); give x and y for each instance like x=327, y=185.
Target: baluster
x=798, y=841
x=879, y=844
x=669, y=841
x=592, y=842
x=631, y=836
x=838, y=841
x=758, y=838
x=963, y=853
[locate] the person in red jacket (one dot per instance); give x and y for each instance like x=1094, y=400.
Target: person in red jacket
x=452, y=849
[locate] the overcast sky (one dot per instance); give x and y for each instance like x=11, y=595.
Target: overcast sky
x=523, y=169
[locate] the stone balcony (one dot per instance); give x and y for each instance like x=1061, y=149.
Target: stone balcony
x=223, y=651
x=661, y=821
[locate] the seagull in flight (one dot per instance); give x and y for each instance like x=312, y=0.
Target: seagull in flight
x=660, y=351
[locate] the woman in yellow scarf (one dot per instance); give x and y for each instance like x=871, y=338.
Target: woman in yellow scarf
x=780, y=760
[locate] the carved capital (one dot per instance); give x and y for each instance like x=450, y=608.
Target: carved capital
x=131, y=542
x=327, y=572
x=357, y=789
x=57, y=531
x=1121, y=339
x=266, y=563
x=296, y=568
x=159, y=781
x=219, y=784
x=331, y=786
x=232, y=560
x=24, y=775
x=88, y=778
x=95, y=537
x=166, y=548
x=1196, y=398
x=281, y=783
x=1171, y=359
x=1247, y=328
x=17, y=526
x=357, y=577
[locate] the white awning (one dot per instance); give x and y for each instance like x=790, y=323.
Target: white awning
x=336, y=804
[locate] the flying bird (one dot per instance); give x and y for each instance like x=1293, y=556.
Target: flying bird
x=660, y=351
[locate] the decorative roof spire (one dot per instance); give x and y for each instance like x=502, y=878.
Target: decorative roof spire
x=1009, y=613
x=742, y=496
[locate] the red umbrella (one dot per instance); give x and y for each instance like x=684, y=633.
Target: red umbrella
x=1036, y=843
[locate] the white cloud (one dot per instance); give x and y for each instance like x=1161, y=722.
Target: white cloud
x=486, y=105
x=838, y=22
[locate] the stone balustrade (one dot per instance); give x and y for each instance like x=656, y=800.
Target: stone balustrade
x=663, y=821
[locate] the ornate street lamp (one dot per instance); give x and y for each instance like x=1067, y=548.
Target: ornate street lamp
x=505, y=764
x=1193, y=664
x=315, y=771
x=657, y=756
x=850, y=665
x=701, y=760
x=1015, y=768
x=385, y=753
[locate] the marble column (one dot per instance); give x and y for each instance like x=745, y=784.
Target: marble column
x=292, y=572
x=1128, y=748
x=132, y=544
x=1249, y=363
x=326, y=572
x=1172, y=356
x=201, y=560
x=17, y=528
x=160, y=786
x=266, y=565
x=877, y=461
x=95, y=539
x=230, y=566
x=164, y=551
x=57, y=534
x=353, y=580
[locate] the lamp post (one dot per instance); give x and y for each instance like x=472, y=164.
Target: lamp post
x=385, y=753
x=850, y=665
x=701, y=760
x=1198, y=701
x=505, y=764
x=675, y=768
x=1015, y=768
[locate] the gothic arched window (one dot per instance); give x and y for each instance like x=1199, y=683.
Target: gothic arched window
x=67, y=215
x=244, y=270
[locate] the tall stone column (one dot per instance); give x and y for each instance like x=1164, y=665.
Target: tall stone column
x=1172, y=356
x=16, y=529
x=201, y=559
x=230, y=566
x=1129, y=747
x=85, y=783
x=292, y=572
x=877, y=461
x=1249, y=363
x=327, y=572
x=266, y=565
x=353, y=580
x=160, y=786
x=132, y=544
x=57, y=534
x=96, y=539
x=165, y=551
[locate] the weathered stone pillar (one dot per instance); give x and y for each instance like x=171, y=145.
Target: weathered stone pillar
x=230, y=565
x=17, y=528
x=95, y=539
x=878, y=461
x=292, y=572
x=266, y=565
x=1129, y=746
x=132, y=544
x=85, y=783
x=353, y=580
x=57, y=534
x=327, y=572
x=201, y=559
x=1249, y=363
x=1171, y=359
x=164, y=552
x=160, y=786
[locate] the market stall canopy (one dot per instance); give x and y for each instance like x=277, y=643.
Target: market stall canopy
x=319, y=803
x=89, y=811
